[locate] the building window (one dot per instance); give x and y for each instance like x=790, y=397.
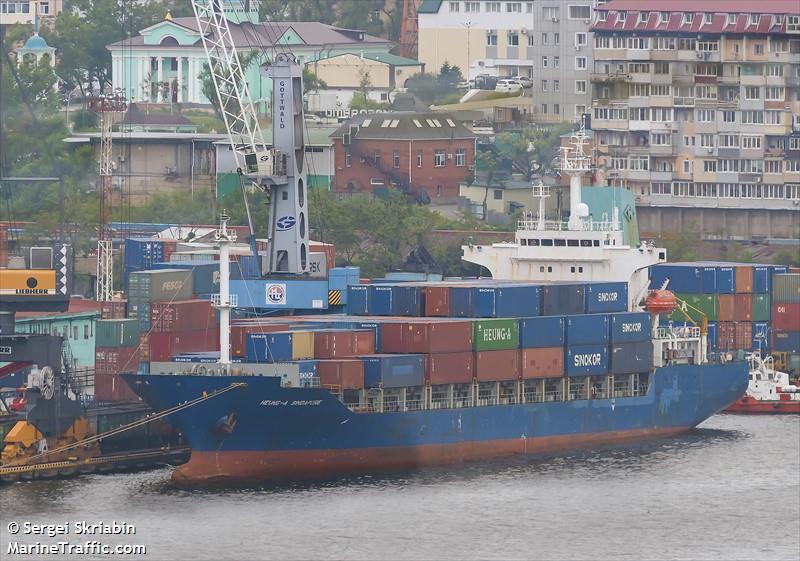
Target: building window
x=729, y=116
x=640, y=43
x=792, y=23
x=664, y=43
x=461, y=157
x=438, y=158
x=377, y=181
x=556, y=38
x=602, y=16
x=754, y=19
x=556, y=109
x=705, y=115
x=454, y=6
x=86, y=331
x=580, y=39
x=544, y=108
x=44, y=8
x=688, y=17
x=580, y=110
x=580, y=86
x=622, y=15
x=513, y=40
x=544, y=38
x=544, y=62
x=75, y=332
x=498, y=194
x=580, y=63
x=758, y=48
x=550, y=12
x=687, y=166
x=580, y=12
x=491, y=40
x=492, y=7
x=529, y=7
x=643, y=17
x=556, y=85
x=396, y=158
x=556, y=62
x=348, y=159
x=753, y=117
x=708, y=18
x=752, y=92
x=376, y=158
x=514, y=7
x=731, y=19
x=531, y=41
x=544, y=85
x=419, y=159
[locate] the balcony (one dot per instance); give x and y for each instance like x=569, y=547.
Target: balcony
x=660, y=150
x=683, y=101
x=609, y=76
x=638, y=54
x=661, y=176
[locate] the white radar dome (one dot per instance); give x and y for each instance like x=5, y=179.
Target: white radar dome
x=582, y=210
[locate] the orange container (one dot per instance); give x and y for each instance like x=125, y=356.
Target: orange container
x=493, y=366
x=546, y=362
x=744, y=279
x=743, y=307
x=726, y=304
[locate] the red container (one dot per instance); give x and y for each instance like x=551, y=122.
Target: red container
x=786, y=316
x=437, y=301
x=744, y=280
x=239, y=335
x=345, y=374
x=744, y=335
x=546, y=362
x=341, y=343
x=183, y=315
x=169, y=247
x=162, y=346
x=113, y=360
x=426, y=336
x=497, y=365
x=726, y=304
x=111, y=387
x=726, y=336
x=743, y=308
x=116, y=309
x=328, y=249
x=450, y=368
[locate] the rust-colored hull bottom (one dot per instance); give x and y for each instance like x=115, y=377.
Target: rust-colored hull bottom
x=774, y=407
x=224, y=467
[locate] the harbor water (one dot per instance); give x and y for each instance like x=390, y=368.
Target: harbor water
x=728, y=490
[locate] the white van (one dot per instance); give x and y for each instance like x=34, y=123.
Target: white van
x=507, y=86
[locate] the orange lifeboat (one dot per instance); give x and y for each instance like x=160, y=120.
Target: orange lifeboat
x=660, y=302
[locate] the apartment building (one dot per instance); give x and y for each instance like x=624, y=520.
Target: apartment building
x=24, y=11
x=696, y=104
x=424, y=154
x=545, y=40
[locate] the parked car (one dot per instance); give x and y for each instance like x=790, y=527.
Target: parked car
x=507, y=85
x=523, y=81
x=485, y=82
x=466, y=85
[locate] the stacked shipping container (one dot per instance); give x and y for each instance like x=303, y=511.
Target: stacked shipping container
x=786, y=319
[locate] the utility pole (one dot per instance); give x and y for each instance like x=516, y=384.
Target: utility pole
x=106, y=107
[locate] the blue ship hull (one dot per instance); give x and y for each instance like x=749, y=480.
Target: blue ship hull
x=263, y=431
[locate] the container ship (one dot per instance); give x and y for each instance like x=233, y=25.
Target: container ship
x=562, y=348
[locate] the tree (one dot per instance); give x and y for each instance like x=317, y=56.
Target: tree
x=207, y=82
x=311, y=82
x=789, y=257
x=487, y=161
x=684, y=246
x=450, y=74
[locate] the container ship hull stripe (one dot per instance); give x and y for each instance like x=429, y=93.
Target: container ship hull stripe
x=269, y=432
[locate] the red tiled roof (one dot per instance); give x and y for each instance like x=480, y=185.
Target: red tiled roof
x=76, y=306
x=676, y=24
x=717, y=6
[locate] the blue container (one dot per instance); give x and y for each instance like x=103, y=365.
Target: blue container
x=394, y=371
x=540, y=332
x=726, y=280
x=786, y=341
x=249, y=267
x=587, y=360
x=761, y=336
x=507, y=301
x=357, y=301
x=587, y=329
x=761, y=279
x=269, y=347
x=683, y=277
x=379, y=299
x=630, y=327
x=603, y=297
x=140, y=255
x=563, y=299
x=630, y=358
x=713, y=334
x=308, y=370
x=462, y=301
x=408, y=301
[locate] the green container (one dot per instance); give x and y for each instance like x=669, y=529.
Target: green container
x=761, y=307
x=495, y=334
x=117, y=333
x=706, y=303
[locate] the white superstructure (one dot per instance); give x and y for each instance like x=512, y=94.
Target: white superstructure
x=580, y=249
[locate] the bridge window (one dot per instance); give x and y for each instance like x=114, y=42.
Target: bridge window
x=586, y=243
x=561, y=243
x=572, y=243
x=533, y=242
x=523, y=242
x=580, y=269
x=547, y=243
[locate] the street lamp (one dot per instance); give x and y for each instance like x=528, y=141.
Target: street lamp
x=468, y=24
x=67, y=100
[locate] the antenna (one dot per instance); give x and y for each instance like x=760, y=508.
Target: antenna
x=224, y=301
x=575, y=163
x=542, y=192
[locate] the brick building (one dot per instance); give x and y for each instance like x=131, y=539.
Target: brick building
x=427, y=154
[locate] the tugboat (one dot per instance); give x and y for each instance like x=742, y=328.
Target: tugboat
x=768, y=392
